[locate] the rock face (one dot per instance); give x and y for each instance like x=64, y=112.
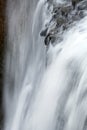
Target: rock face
x=2, y=34
x=64, y=16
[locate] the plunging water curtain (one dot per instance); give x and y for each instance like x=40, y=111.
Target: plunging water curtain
x=46, y=65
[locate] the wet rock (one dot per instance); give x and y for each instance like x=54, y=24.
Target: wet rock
x=63, y=15
x=49, y=39
x=56, y=10
x=46, y=40
x=60, y=21
x=82, y=5
x=43, y=32
x=81, y=14
x=65, y=10
x=75, y=18
x=74, y=2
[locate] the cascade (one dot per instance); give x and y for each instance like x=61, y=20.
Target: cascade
x=46, y=65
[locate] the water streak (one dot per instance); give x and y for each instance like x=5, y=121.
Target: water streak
x=36, y=96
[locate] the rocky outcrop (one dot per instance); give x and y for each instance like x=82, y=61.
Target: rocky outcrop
x=63, y=17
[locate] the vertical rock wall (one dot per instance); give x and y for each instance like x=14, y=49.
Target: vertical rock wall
x=2, y=37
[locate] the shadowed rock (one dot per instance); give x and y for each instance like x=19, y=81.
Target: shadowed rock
x=63, y=15
x=43, y=32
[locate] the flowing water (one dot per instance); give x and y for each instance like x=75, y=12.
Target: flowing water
x=44, y=89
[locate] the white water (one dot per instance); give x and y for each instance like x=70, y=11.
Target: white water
x=36, y=96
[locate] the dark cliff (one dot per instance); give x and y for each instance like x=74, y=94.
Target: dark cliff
x=2, y=38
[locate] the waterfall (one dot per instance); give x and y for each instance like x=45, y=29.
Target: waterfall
x=45, y=87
